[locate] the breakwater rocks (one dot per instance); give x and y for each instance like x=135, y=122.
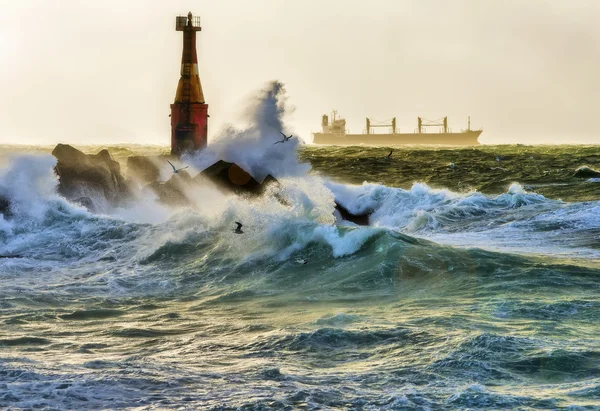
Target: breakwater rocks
x=92, y=180
x=96, y=182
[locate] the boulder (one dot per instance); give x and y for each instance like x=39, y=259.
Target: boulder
x=104, y=157
x=231, y=177
x=97, y=177
x=5, y=207
x=145, y=168
x=173, y=191
x=227, y=176
x=586, y=172
x=360, y=219
x=67, y=154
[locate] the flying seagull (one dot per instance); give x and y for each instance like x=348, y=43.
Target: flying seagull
x=390, y=155
x=301, y=261
x=176, y=170
x=238, y=230
x=285, y=138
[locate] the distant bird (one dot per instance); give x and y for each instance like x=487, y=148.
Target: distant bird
x=452, y=165
x=301, y=261
x=238, y=230
x=390, y=155
x=176, y=170
x=498, y=158
x=285, y=138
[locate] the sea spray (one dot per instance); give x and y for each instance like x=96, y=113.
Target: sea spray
x=253, y=147
x=150, y=306
x=29, y=182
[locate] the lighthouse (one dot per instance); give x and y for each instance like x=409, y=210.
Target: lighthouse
x=189, y=111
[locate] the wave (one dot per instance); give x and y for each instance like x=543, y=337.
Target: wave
x=148, y=248
x=511, y=222
x=254, y=147
x=151, y=249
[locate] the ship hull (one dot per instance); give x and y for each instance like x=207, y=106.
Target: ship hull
x=466, y=138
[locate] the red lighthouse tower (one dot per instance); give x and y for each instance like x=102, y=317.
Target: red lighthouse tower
x=189, y=112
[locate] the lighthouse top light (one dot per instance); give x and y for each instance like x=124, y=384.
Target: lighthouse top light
x=187, y=21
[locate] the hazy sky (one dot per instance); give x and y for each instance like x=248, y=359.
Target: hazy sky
x=106, y=71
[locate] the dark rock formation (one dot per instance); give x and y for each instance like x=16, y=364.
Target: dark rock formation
x=5, y=207
x=586, y=172
x=145, y=168
x=96, y=177
x=233, y=178
x=360, y=219
x=227, y=176
x=86, y=179
x=173, y=191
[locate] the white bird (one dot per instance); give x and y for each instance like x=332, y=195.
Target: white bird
x=285, y=138
x=301, y=261
x=176, y=170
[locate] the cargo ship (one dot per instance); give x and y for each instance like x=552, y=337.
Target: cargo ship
x=427, y=132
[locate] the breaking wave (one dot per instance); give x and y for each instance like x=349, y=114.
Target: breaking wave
x=446, y=300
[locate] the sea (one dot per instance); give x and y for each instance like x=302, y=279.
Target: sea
x=475, y=285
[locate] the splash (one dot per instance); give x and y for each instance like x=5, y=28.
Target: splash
x=29, y=184
x=253, y=147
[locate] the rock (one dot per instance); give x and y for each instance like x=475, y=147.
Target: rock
x=586, y=172
x=5, y=207
x=97, y=177
x=227, y=176
x=104, y=157
x=145, y=168
x=268, y=181
x=66, y=154
x=173, y=191
x=360, y=219
x=232, y=177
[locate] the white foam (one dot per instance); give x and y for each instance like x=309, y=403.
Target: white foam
x=30, y=184
x=253, y=148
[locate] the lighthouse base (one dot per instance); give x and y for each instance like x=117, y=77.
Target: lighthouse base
x=189, y=127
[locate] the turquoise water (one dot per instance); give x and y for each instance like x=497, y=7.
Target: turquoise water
x=474, y=287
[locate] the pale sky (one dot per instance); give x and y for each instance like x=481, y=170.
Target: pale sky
x=106, y=71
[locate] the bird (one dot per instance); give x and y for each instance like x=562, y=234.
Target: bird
x=301, y=261
x=285, y=138
x=238, y=229
x=176, y=170
x=390, y=155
